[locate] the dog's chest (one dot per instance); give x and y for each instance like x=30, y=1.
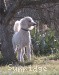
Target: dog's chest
x=24, y=39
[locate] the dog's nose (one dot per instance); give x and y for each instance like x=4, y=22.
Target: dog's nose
x=34, y=23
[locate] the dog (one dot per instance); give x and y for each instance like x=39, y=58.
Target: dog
x=22, y=38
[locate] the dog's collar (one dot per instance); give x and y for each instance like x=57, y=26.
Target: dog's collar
x=24, y=29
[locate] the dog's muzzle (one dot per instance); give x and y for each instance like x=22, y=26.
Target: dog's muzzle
x=34, y=24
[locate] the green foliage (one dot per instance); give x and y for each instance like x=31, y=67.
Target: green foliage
x=1, y=56
x=54, y=56
x=45, y=43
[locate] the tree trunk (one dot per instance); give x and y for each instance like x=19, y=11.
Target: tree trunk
x=6, y=45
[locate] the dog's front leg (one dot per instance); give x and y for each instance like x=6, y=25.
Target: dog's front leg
x=20, y=55
x=28, y=51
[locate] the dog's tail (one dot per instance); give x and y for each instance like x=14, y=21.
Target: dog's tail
x=16, y=27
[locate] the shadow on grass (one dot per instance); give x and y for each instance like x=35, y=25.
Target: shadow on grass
x=26, y=63
x=15, y=63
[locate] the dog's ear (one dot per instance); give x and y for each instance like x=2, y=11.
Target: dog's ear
x=16, y=26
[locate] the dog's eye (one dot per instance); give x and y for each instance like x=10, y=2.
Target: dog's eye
x=29, y=20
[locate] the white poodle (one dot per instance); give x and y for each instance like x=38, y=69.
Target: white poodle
x=22, y=38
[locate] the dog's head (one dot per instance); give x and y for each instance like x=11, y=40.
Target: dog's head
x=27, y=23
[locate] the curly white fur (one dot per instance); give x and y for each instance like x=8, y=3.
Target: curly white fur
x=22, y=37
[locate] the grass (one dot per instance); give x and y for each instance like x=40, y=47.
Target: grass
x=54, y=56
x=41, y=66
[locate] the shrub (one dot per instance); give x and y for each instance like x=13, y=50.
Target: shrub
x=57, y=55
x=1, y=55
x=1, y=58
x=54, y=56
x=45, y=43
